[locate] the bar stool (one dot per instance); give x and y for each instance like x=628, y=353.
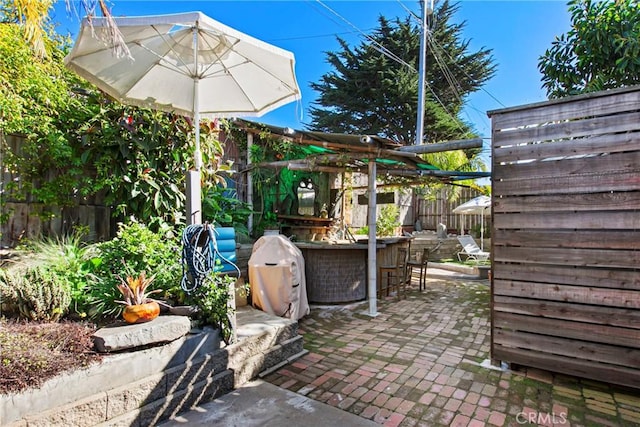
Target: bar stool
x=421, y=264
x=396, y=274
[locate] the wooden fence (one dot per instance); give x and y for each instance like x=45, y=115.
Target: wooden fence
x=26, y=219
x=566, y=236
x=432, y=212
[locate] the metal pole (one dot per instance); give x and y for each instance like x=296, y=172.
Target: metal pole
x=249, y=181
x=193, y=186
x=426, y=10
x=196, y=101
x=371, y=249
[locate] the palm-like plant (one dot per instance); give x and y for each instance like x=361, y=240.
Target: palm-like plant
x=134, y=289
x=33, y=14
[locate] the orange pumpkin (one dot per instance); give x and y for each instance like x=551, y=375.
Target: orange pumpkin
x=141, y=313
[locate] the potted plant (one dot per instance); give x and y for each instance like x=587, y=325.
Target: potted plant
x=270, y=224
x=139, y=307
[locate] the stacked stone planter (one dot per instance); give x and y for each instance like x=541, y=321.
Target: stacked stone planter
x=143, y=388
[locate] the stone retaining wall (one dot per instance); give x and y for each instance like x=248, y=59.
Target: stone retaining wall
x=143, y=388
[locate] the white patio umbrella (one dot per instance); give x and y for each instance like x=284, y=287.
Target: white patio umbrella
x=480, y=205
x=188, y=64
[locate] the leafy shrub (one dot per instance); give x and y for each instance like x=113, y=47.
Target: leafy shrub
x=388, y=220
x=362, y=231
x=386, y=224
x=72, y=261
x=220, y=206
x=134, y=249
x=36, y=292
x=212, y=300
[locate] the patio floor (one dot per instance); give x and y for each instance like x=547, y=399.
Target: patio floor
x=420, y=363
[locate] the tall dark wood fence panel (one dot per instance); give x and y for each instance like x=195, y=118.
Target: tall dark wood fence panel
x=25, y=215
x=566, y=236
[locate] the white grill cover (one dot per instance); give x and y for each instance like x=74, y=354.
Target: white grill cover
x=276, y=275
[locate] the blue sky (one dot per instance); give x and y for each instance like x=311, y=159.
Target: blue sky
x=518, y=32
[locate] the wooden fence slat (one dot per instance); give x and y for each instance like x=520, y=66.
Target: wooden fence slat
x=571, y=330
x=569, y=294
x=582, y=166
x=593, y=183
x=607, y=143
x=559, y=132
x=430, y=213
x=626, y=376
x=590, y=105
x=101, y=229
x=568, y=275
x=583, y=239
x=568, y=256
x=607, y=201
x=612, y=316
x=615, y=355
x=612, y=220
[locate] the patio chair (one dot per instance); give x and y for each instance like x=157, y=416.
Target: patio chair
x=471, y=250
x=421, y=264
x=395, y=275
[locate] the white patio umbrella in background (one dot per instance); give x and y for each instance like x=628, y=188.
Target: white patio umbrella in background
x=480, y=205
x=187, y=64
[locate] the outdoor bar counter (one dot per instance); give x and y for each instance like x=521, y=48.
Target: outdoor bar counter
x=337, y=272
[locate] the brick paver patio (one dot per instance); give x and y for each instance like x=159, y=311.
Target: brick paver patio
x=421, y=363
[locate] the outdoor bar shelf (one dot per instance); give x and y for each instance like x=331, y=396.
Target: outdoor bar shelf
x=337, y=272
x=305, y=227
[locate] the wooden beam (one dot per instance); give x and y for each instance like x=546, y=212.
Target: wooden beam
x=393, y=185
x=362, y=148
x=314, y=168
x=462, y=144
x=320, y=159
x=438, y=173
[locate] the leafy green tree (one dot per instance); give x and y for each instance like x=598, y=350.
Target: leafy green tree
x=32, y=91
x=456, y=160
x=80, y=143
x=139, y=157
x=601, y=51
x=36, y=101
x=33, y=16
x=369, y=93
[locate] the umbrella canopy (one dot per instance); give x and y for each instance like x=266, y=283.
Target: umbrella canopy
x=477, y=206
x=480, y=205
x=187, y=64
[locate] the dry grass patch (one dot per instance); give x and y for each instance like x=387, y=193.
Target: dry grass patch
x=31, y=352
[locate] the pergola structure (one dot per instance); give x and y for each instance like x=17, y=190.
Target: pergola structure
x=336, y=153
x=369, y=154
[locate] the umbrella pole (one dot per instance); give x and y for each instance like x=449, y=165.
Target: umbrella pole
x=194, y=189
x=482, y=231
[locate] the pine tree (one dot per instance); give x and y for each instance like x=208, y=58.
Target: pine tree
x=370, y=93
